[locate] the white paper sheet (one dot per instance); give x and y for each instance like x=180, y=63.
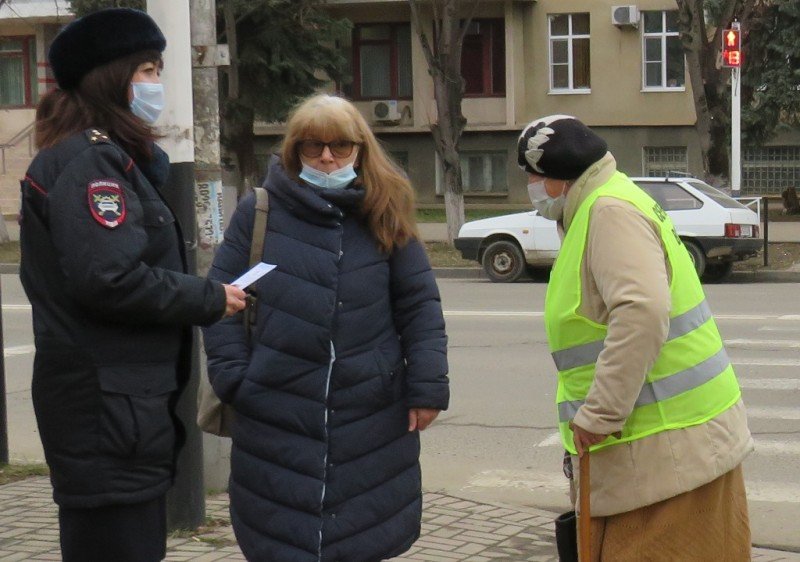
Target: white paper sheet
x=258, y=271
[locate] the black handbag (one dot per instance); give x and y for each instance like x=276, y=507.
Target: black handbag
x=567, y=537
x=212, y=415
x=567, y=523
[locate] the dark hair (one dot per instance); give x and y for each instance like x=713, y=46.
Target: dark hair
x=100, y=101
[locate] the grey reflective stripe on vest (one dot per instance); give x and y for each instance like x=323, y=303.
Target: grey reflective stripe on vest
x=667, y=387
x=587, y=353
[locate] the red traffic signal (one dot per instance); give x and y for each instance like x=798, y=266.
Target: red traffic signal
x=732, y=48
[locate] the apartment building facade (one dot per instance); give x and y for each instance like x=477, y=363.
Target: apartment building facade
x=27, y=27
x=618, y=68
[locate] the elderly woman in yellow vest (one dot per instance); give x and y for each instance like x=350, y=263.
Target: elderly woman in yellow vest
x=644, y=381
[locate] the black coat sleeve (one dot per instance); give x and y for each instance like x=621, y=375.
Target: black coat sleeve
x=105, y=268
x=227, y=348
x=419, y=320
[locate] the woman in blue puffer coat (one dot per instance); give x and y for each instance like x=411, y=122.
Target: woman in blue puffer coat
x=347, y=361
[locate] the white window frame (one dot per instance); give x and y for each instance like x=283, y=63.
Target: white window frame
x=569, y=38
x=663, y=34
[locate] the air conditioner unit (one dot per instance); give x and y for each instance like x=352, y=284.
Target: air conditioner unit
x=385, y=111
x=625, y=16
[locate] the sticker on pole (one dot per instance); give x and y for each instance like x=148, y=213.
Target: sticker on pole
x=106, y=203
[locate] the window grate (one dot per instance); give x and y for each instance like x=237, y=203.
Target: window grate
x=665, y=160
x=769, y=170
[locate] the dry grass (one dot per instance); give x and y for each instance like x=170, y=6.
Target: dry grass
x=781, y=255
x=16, y=472
x=9, y=252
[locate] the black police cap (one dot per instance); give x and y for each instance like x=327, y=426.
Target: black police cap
x=99, y=38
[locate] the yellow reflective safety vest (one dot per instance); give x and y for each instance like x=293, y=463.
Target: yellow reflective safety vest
x=692, y=379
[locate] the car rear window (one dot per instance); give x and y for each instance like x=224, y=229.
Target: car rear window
x=670, y=196
x=715, y=194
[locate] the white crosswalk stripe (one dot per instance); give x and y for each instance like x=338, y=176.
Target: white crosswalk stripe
x=553, y=481
x=773, y=412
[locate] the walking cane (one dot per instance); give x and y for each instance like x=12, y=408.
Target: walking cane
x=585, y=519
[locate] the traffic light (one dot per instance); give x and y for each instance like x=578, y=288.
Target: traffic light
x=732, y=48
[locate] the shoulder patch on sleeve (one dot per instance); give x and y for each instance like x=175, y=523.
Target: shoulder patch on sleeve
x=96, y=136
x=106, y=202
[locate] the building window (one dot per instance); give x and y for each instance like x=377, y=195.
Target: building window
x=17, y=71
x=662, y=161
x=481, y=172
x=770, y=169
x=381, y=62
x=569, y=52
x=662, y=52
x=483, y=58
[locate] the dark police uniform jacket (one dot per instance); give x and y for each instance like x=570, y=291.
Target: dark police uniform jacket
x=103, y=267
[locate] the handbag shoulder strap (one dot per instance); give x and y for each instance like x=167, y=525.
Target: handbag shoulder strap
x=259, y=225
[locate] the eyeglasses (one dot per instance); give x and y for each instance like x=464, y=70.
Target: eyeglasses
x=311, y=148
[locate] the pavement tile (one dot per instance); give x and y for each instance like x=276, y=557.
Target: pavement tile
x=454, y=529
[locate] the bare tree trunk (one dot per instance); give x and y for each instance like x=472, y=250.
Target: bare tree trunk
x=709, y=81
x=444, y=66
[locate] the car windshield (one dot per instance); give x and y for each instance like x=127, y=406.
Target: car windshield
x=715, y=194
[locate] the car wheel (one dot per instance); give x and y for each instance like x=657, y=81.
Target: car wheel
x=503, y=261
x=698, y=257
x=716, y=272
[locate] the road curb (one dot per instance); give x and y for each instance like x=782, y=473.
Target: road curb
x=764, y=276
x=759, y=276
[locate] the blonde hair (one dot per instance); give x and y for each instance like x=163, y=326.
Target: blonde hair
x=389, y=198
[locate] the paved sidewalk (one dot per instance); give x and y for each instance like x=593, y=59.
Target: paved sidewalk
x=453, y=529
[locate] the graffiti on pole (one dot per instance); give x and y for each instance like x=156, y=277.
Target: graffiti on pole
x=208, y=207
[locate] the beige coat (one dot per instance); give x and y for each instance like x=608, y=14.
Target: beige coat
x=625, y=285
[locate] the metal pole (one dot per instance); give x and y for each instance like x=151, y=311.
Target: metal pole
x=3, y=411
x=206, y=57
x=186, y=499
x=766, y=230
x=736, y=126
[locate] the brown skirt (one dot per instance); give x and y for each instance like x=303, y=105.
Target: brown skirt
x=706, y=524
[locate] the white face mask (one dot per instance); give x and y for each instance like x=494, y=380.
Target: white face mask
x=148, y=100
x=549, y=207
x=337, y=179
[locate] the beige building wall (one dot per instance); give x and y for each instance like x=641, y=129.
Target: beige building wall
x=617, y=97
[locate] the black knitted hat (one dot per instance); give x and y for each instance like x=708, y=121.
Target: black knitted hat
x=559, y=147
x=99, y=38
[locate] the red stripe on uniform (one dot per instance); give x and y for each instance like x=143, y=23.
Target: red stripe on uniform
x=129, y=166
x=35, y=185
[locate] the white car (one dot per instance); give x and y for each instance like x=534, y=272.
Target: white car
x=716, y=230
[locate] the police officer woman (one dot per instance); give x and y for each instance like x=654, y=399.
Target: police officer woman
x=104, y=268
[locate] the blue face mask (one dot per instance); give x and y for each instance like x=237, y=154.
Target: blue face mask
x=337, y=179
x=148, y=100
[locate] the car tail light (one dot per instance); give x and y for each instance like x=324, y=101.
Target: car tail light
x=732, y=230
x=741, y=230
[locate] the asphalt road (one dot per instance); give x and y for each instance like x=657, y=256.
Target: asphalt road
x=497, y=442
